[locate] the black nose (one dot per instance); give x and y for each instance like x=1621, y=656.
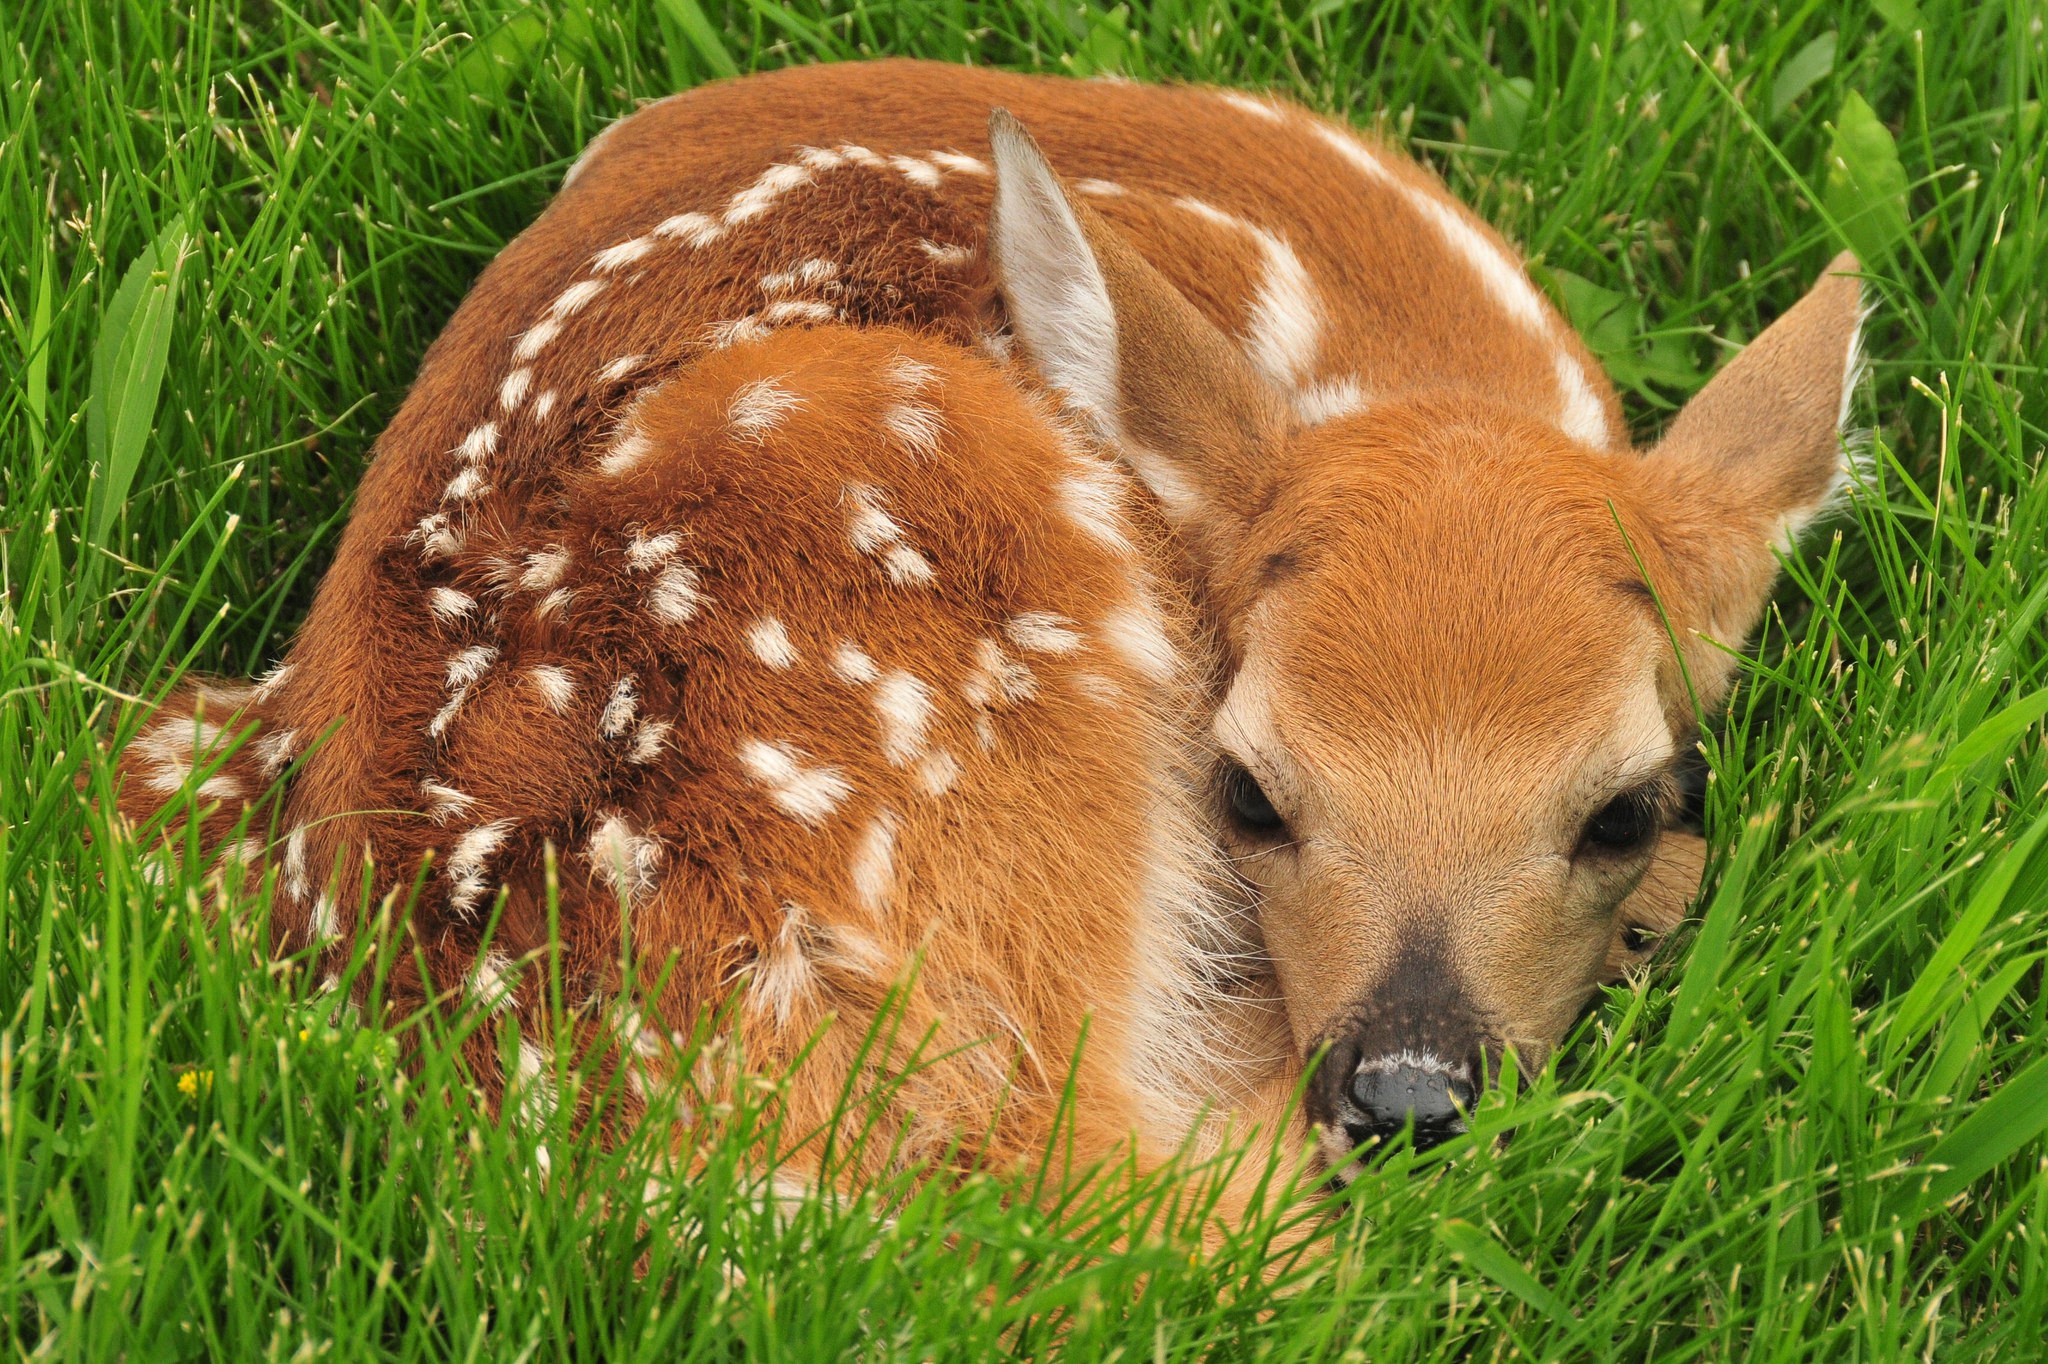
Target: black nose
x=1390, y=1094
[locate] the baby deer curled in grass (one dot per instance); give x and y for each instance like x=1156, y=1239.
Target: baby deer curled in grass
x=1166, y=574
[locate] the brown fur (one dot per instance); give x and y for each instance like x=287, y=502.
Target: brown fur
x=1413, y=616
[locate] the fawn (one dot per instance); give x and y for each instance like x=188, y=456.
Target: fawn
x=1184, y=586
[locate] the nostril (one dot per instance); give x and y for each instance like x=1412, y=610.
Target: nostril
x=1389, y=1095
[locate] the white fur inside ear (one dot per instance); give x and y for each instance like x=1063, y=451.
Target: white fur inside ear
x=1058, y=302
x=1854, y=470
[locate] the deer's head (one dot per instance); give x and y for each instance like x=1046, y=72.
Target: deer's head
x=1466, y=655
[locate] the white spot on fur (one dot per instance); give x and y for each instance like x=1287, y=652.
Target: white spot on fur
x=691, y=229
x=810, y=794
x=445, y=716
x=1101, y=189
x=903, y=715
x=512, y=392
x=873, y=866
x=674, y=597
x=959, y=163
x=1042, y=632
x=719, y=335
x=648, y=741
x=1097, y=688
x=937, y=771
x=620, y=256
x=921, y=173
x=624, y=857
x=853, y=667
x=620, y=708
x=646, y=551
x=572, y=300
x=272, y=682
x=769, y=641
x=556, y=685
x=275, y=751
x=553, y=603
x=469, y=665
x=783, y=977
x=295, y=882
x=861, y=156
x=437, y=537
x=534, y=1092
x=757, y=198
x=490, y=983
x=1580, y=413
x=820, y=158
x=1354, y=151
x=627, y=451
x=620, y=368
x=916, y=429
x=1285, y=323
x=445, y=802
x=544, y=568
x=448, y=604
x=791, y=310
x=1093, y=499
x=1328, y=399
x=869, y=529
x=945, y=253
x=813, y=273
x=469, y=865
x=912, y=374
x=480, y=444
x=759, y=408
x=997, y=677
x=1249, y=104
x=536, y=340
x=1136, y=632
x=466, y=486
x=544, y=405
x=322, y=924
x=907, y=567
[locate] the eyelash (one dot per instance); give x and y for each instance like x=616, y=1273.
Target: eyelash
x=1248, y=805
x=1626, y=823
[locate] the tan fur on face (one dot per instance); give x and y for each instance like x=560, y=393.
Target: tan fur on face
x=842, y=536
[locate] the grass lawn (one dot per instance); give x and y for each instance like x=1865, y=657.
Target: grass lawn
x=229, y=228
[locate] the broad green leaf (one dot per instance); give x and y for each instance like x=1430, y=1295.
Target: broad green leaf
x=1501, y=114
x=1475, y=1247
x=1102, y=43
x=1801, y=70
x=36, y=379
x=1903, y=15
x=499, y=57
x=1964, y=1037
x=689, y=16
x=1996, y=734
x=2014, y=1115
x=1866, y=185
x=1615, y=330
x=127, y=375
x=1939, y=977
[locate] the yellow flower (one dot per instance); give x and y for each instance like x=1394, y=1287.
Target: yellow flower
x=192, y=1081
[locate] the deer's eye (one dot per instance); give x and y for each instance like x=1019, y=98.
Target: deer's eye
x=1622, y=825
x=1249, y=807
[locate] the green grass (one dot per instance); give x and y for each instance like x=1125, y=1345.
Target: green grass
x=1814, y=1131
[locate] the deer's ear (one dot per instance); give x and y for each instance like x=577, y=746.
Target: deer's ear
x=1753, y=459
x=1185, y=409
